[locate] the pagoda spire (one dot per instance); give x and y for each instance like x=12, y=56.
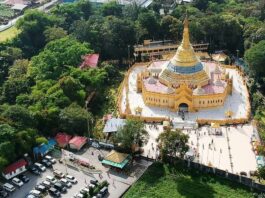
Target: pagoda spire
x=186, y=36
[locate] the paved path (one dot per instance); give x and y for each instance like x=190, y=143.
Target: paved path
x=44, y=8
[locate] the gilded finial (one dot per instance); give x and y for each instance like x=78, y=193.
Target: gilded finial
x=186, y=36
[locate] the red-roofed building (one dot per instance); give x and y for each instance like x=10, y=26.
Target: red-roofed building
x=62, y=139
x=14, y=169
x=77, y=142
x=90, y=61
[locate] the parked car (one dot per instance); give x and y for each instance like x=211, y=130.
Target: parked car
x=36, y=193
x=34, y=170
x=71, y=179
x=58, y=174
x=17, y=182
x=49, y=158
x=242, y=173
x=94, y=181
x=46, y=163
x=91, y=186
x=66, y=183
x=51, y=179
x=60, y=187
x=47, y=184
x=84, y=190
x=3, y=194
x=41, y=188
x=99, y=195
x=30, y=196
x=40, y=167
x=54, y=192
x=24, y=178
x=78, y=195
x=104, y=191
x=9, y=187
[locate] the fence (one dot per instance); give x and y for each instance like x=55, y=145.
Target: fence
x=224, y=174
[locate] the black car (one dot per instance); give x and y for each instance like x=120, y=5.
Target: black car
x=34, y=170
x=94, y=181
x=46, y=163
x=23, y=178
x=104, y=191
x=60, y=187
x=41, y=188
x=54, y=192
x=3, y=194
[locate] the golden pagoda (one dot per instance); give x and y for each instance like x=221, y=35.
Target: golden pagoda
x=183, y=83
x=185, y=67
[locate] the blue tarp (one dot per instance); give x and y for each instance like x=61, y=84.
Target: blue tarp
x=44, y=148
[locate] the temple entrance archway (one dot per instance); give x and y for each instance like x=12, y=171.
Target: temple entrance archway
x=183, y=107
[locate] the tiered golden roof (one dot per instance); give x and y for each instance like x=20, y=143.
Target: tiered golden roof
x=185, y=55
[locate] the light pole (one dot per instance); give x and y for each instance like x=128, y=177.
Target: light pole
x=129, y=55
x=237, y=53
x=88, y=130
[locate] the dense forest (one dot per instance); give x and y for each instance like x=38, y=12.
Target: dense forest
x=43, y=90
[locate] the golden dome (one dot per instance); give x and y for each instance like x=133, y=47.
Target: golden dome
x=185, y=55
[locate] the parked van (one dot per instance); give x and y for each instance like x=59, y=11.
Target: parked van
x=36, y=193
x=9, y=187
x=103, y=191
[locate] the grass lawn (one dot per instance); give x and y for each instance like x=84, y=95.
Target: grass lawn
x=8, y=34
x=164, y=181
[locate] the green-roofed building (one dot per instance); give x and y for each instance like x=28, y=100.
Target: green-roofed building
x=116, y=159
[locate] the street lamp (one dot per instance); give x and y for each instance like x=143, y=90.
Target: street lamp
x=237, y=53
x=129, y=54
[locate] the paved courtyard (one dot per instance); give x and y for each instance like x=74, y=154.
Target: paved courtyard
x=237, y=102
x=119, y=182
x=213, y=149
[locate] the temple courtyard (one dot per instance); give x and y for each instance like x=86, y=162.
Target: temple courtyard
x=211, y=149
x=237, y=103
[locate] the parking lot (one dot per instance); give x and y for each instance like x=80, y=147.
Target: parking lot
x=118, y=182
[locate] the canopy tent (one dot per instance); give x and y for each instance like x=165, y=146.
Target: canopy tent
x=77, y=142
x=116, y=159
x=44, y=148
x=229, y=114
x=215, y=125
x=62, y=139
x=138, y=110
x=19, y=7
x=90, y=61
x=113, y=125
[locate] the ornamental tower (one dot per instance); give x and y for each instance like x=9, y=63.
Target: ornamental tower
x=185, y=67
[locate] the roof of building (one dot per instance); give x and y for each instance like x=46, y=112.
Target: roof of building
x=63, y=138
x=19, y=7
x=78, y=141
x=90, y=61
x=13, y=167
x=220, y=57
x=14, y=2
x=113, y=125
x=116, y=159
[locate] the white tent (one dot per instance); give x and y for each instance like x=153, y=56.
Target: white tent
x=19, y=7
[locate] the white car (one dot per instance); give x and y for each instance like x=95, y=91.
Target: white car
x=84, y=191
x=35, y=193
x=51, y=179
x=17, y=182
x=52, y=160
x=40, y=167
x=66, y=183
x=71, y=179
x=78, y=195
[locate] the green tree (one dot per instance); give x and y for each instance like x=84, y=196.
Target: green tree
x=56, y=58
x=261, y=172
x=20, y=116
x=53, y=33
x=74, y=120
x=3, y=163
x=132, y=134
x=8, y=151
x=41, y=140
x=32, y=26
x=255, y=57
x=171, y=27
x=150, y=22
x=173, y=143
x=112, y=8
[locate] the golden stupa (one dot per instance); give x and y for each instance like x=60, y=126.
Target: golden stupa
x=183, y=83
x=185, y=67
